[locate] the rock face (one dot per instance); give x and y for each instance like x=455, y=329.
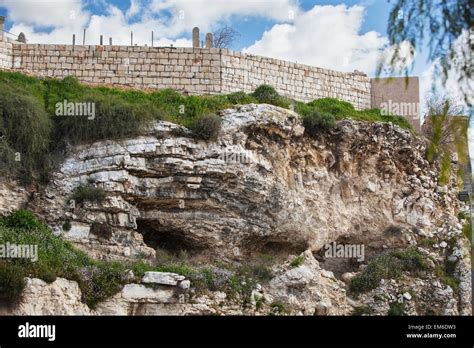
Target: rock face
x=261, y=187
x=62, y=297
x=308, y=289
x=264, y=188
x=12, y=196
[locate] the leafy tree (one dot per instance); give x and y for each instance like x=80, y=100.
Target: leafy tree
x=448, y=27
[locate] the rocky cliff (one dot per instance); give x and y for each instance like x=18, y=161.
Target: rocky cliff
x=263, y=188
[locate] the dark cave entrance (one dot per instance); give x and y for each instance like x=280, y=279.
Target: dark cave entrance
x=157, y=236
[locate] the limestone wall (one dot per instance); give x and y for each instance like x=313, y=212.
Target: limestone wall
x=245, y=72
x=189, y=70
x=5, y=55
x=184, y=69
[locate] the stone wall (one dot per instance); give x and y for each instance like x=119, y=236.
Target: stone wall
x=188, y=70
x=245, y=72
x=5, y=55
x=183, y=69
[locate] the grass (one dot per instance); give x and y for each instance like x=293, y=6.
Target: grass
x=268, y=95
x=30, y=127
x=467, y=231
x=314, y=122
x=206, y=127
x=87, y=192
x=297, y=261
x=342, y=110
x=445, y=274
x=99, y=280
x=390, y=265
x=12, y=282
x=278, y=308
x=397, y=309
x=362, y=310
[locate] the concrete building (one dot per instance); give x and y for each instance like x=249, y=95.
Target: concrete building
x=397, y=96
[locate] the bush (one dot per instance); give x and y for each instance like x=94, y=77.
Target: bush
x=67, y=226
x=315, y=122
x=12, y=282
x=387, y=266
x=22, y=219
x=101, y=230
x=89, y=193
x=397, y=309
x=344, y=110
x=241, y=98
x=278, y=308
x=25, y=129
x=268, y=95
x=207, y=127
x=47, y=276
x=56, y=258
x=100, y=281
x=467, y=231
x=114, y=118
x=297, y=261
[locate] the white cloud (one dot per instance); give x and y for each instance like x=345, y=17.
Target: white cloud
x=70, y=18
x=206, y=14
x=46, y=13
x=325, y=36
x=170, y=20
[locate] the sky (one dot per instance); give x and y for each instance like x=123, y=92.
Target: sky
x=341, y=35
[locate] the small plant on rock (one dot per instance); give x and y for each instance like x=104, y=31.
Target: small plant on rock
x=316, y=122
x=297, y=261
x=88, y=192
x=207, y=127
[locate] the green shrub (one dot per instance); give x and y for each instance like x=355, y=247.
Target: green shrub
x=268, y=95
x=101, y=230
x=344, y=110
x=297, y=261
x=207, y=127
x=47, y=276
x=100, y=281
x=114, y=119
x=315, y=122
x=397, y=309
x=278, y=308
x=467, y=231
x=22, y=219
x=241, y=98
x=25, y=128
x=446, y=277
x=12, y=282
x=387, y=266
x=338, y=108
x=88, y=192
x=67, y=226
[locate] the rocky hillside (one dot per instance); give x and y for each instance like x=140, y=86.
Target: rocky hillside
x=263, y=188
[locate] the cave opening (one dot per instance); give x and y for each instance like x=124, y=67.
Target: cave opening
x=159, y=237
